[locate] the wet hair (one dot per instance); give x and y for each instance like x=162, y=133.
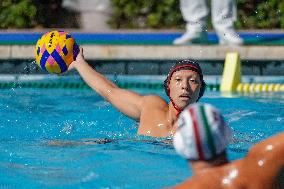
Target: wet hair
x=185, y=65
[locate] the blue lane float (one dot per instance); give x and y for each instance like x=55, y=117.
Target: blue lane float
x=137, y=38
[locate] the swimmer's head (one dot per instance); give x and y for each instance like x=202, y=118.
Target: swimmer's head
x=185, y=65
x=202, y=133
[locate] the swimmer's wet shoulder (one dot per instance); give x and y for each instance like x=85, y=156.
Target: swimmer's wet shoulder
x=225, y=176
x=156, y=118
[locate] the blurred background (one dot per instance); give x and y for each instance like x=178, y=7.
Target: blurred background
x=129, y=37
x=101, y=15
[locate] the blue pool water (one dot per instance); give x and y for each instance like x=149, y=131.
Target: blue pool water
x=34, y=120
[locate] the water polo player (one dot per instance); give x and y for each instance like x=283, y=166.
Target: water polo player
x=184, y=85
x=202, y=137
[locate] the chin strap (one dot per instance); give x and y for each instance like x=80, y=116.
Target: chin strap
x=179, y=110
x=176, y=107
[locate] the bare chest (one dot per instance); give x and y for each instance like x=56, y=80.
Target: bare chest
x=155, y=123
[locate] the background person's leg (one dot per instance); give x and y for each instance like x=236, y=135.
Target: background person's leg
x=194, y=12
x=223, y=18
x=94, y=14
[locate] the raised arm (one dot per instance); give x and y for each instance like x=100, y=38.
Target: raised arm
x=128, y=102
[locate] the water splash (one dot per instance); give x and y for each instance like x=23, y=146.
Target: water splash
x=30, y=67
x=67, y=129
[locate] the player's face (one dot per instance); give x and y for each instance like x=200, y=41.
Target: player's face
x=184, y=87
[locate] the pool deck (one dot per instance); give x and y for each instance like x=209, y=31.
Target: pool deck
x=149, y=46
x=154, y=52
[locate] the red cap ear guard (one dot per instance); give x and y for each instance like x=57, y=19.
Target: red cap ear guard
x=185, y=65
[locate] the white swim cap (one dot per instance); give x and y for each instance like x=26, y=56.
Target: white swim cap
x=202, y=133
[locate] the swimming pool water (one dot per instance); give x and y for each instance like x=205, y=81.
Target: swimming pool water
x=34, y=120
